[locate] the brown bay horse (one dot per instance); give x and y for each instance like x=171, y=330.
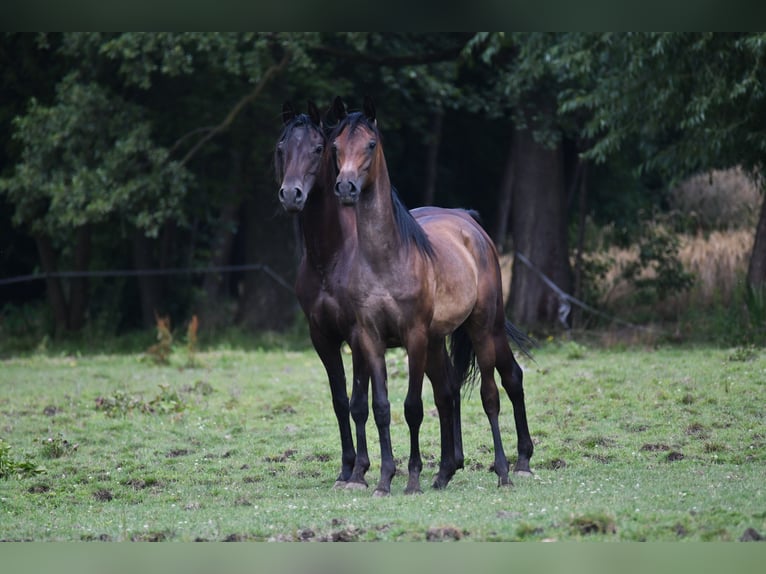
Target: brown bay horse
x=416, y=282
x=305, y=168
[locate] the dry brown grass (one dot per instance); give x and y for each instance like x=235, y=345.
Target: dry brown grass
x=718, y=262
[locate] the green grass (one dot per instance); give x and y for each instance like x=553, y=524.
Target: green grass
x=654, y=444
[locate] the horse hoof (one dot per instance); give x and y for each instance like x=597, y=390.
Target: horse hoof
x=526, y=473
x=416, y=490
x=504, y=482
x=351, y=485
x=340, y=485
x=380, y=493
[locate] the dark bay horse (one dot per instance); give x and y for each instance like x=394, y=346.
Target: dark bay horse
x=418, y=282
x=305, y=168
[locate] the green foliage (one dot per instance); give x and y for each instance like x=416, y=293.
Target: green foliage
x=88, y=159
x=57, y=446
x=11, y=467
x=167, y=401
x=691, y=101
x=658, y=252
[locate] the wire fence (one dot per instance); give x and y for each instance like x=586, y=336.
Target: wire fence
x=147, y=272
x=565, y=299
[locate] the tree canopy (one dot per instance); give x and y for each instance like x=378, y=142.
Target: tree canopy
x=167, y=138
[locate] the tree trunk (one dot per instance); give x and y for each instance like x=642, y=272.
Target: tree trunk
x=148, y=286
x=504, y=202
x=539, y=222
x=432, y=158
x=54, y=289
x=78, y=293
x=756, y=271
x=581, y=183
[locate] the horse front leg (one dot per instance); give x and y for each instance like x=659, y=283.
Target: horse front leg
x=381, y=410
x=359, y=412
x=329, y=353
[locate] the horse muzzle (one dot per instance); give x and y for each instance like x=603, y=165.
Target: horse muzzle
x=292, y=199
x=347, y=192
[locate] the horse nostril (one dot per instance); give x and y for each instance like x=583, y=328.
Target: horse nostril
x=298, y=194
x=282, y=194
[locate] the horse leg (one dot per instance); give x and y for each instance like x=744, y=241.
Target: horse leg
x=359, y=412
x=329, y=353
x=438, y=369
x=512, y=376
x=413, y=408
x=490, y=399
x=381, y=411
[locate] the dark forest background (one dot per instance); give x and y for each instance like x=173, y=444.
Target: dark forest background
x=153, y=151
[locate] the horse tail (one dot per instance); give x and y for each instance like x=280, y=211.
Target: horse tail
x=523, y=341
x=463, y=358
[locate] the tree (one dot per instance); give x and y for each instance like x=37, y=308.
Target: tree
x=86, y=159
x=691, y=102
x=532, y=201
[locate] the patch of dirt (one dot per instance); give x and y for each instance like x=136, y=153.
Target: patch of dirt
x=350, y=534
x=751, y=535
x=176, y=452
x=594, y=525
x=555, y=464
x=51, y=410
x=281, y=457
x=654, y=447
x=697, y=430
x=38, y=489
x=444, y=533
x=150, y=537
x=94, y=538
x=674, y=456
x=103, y=495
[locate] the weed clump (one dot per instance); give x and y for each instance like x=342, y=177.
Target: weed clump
x=11, y=467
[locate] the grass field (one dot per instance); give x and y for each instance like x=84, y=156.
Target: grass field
x=665, y=444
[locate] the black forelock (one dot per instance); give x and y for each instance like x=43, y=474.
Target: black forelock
x=300, y=120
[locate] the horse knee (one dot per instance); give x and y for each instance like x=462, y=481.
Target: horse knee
x=413, y=412
x=382, y=413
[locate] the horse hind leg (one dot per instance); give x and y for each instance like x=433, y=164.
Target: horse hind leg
x=512, y=377
x=439, y=371
x=490, y=399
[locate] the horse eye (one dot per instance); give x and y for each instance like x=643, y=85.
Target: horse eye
x=318, y=149
x=372, y=144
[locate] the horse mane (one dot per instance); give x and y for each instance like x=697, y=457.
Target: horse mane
x=409, y=229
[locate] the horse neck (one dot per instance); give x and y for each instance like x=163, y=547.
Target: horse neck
x=379, y=236
x=326, y=227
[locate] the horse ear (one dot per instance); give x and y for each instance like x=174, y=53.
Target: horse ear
x=369, y=109
x=339, y=108
x=288, y=112
x=314, y=114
